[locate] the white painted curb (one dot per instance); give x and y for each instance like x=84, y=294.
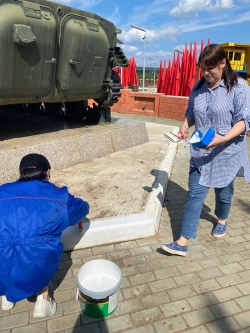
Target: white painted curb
x=128, y=227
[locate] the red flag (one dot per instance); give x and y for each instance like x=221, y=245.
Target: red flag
x=166, y=83
x=169, y=79
x=188, y=70
x=159, y=78
x=133, y=75
x=199, y=71
x=184, y=70
x=202, y=45
x=125, y=76
x=163, y=77
x=177, y=77
x=192, y=71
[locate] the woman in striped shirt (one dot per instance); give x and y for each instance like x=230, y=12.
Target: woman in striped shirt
x=220, y=100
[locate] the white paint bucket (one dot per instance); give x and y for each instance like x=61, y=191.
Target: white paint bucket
x=98, y=282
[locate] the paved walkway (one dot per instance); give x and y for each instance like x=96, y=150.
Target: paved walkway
x=207, y=292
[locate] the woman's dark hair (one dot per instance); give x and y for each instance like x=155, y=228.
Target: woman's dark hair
x=33, y=167
x=211, y=56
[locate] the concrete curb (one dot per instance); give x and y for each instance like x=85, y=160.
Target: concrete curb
x=128, y=227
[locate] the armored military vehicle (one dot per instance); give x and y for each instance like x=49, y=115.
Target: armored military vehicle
x=51, y=53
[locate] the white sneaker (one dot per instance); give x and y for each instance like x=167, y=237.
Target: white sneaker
x=6, y=305
x=44, y=308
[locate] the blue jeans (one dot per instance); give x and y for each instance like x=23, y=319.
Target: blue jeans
x=196, y=196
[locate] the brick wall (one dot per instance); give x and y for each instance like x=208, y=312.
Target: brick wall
x=151, y=104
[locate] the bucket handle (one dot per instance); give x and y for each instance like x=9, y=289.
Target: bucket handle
x=77, y=294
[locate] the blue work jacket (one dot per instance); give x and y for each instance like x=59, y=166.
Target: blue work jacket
x=33, y=215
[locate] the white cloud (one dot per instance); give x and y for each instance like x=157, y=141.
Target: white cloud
x=193, y=7
x=129, y=49
x=204, y=25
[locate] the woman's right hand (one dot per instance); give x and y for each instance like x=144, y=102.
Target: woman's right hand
x=183, y=132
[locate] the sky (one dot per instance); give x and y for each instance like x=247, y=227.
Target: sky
x=170, y=24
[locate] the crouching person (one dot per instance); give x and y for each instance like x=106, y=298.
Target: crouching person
x=33, y=215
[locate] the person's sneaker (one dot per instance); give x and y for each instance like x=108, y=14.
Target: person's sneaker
x=6, y=305
x=219, y=230
x=175, y=248
x=44, y=308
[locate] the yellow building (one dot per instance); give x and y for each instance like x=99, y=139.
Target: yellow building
x=239, y=57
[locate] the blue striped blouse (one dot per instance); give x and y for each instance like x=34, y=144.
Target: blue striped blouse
x=220, y=110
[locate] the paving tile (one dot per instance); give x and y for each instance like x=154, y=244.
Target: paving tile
x=235, y=248
x=198, y=317
x=133, y=260
x=203, y=300
x=225, y=309
x=126, y=245
x=142, y=329
x=71, y=307
x=175, y=324
x=38, y=327
x=244, y=288
x=243, y=302
x=103, y=249
x=214, y=262
x=149, y=266
x=163, y=284
x=231, y=268
x=236, y=240
x=232, y=257
x=245, y=275
x=175, y=308
x=148, y=316
x=13, y=320
x=181, y=292
x=199, y=329
x=113, y=325
x=80, y=254
x=229, y=280
x=228, y=325
x=140, y=250
x=225, y=294
x=205, y=286
x=118, y=254
x=64, y=322
x=88, y=328
x=207, y=274
x=139, y=278
x=128, y=306
x=137, y=291
x=191, y=267
x=185, y=279
x=166, y=272
x=155, y=299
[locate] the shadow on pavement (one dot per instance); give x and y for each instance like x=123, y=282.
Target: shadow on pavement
x=174, y=202
x=85, y=324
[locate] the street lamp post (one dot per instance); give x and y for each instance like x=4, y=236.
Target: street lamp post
x=144, y=61
x=154, y=60
x=120, y=68
x=178, y=51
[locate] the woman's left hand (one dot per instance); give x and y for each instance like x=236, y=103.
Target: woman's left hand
x=217, y=140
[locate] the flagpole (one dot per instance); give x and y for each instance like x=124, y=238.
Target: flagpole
x=144, y=60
